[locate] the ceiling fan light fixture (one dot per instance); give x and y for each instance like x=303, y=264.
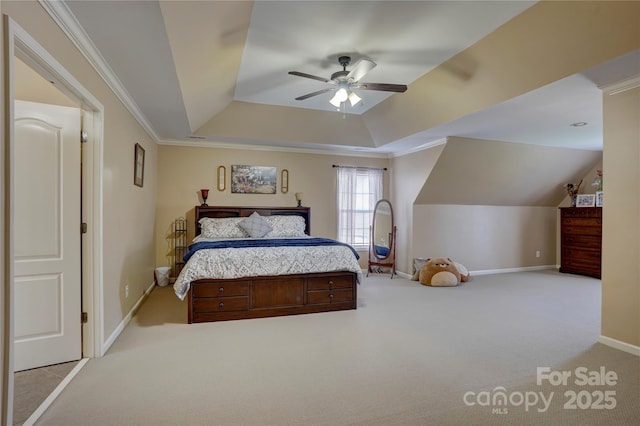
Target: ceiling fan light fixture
x=340, y=96
x=354, y=99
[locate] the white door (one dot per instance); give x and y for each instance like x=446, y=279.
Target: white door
x=47, y=299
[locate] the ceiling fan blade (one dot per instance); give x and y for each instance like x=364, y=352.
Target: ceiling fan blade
x=319, y=92
x=360, y=69
x=399, y=88
x=314, y=77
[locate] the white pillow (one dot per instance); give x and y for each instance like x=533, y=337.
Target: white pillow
x=225, y=227
x=285, y=226
x=255, y=225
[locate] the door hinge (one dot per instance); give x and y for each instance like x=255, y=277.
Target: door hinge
x=83, y=228
x=84, y=136
x=84, y=318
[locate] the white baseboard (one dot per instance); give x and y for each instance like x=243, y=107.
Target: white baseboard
x=107, y=344
x=404, y=275
x=494, y=271
x=57, y=391
x=617, y=344
x=508, y=270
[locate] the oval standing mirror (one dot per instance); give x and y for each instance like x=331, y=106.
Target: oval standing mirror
x=382, y=229
x=382, y=244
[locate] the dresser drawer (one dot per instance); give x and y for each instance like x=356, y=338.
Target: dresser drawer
x=339, y=281
x=581, y=241
x=221, y=304
x=228, y=289
x=580, y=267
x=329, y=296
x=581, y=212
x=582, y=230
x=582, y=221
x=582, y=255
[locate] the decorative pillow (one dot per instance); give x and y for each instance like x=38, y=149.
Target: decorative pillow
x=255, y=225
x=286, y=226
x=226, y=227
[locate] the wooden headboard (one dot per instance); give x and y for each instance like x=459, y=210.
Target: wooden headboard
x=243, y=211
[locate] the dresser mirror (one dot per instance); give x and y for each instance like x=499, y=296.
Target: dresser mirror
x=382, y=250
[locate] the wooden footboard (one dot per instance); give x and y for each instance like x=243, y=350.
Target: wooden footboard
x=258, y=297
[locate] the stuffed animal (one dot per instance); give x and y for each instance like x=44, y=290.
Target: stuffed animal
x=439, y=272
x=464, y=273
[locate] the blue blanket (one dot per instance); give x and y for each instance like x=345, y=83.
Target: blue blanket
x=268, y=242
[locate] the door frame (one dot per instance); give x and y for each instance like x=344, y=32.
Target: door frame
x=17, y=42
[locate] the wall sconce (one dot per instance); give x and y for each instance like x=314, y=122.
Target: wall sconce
x=205, y=194
x=284, y=181
x=299, y=198
x=222, y=178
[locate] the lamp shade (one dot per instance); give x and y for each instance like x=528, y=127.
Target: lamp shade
x=354, y=99
x=205, y=194
x=340, y=96
x=299, y=196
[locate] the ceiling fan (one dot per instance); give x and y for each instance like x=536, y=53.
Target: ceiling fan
x=344, y=81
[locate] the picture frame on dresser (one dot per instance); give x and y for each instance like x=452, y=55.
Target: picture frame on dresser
x=586, y=200
x=599, y=197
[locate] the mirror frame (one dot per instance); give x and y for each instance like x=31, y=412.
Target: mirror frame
x=373, y=229
x=284, y=181
x=222, y=178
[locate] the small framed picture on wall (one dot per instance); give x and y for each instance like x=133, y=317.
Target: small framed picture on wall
x=138, y=174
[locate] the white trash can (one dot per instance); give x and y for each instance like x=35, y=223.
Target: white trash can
x=162, y=275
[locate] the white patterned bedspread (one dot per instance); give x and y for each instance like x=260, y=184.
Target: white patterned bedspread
x=228, y=263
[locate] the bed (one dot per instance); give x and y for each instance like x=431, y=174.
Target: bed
x=238, y=268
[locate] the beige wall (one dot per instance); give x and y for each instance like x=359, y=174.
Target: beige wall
x=621, y=218
x=486, y=237
x=439, y=213
x=486, y=172
x=408, y=175
x=30, y=86
x=183, y=171
x=128, y=212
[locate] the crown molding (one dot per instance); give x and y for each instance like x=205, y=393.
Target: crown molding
x=419, y=148
x=64, y=18
x=621, y=86
x=272, y=148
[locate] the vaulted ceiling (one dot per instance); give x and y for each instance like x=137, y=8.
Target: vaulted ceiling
x=216, y=72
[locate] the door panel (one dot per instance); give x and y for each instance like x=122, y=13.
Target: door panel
x=47, y=235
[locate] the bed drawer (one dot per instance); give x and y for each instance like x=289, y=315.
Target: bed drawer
x=329, y=296
x=228, y=289
x=328, y=283
x=221, y=304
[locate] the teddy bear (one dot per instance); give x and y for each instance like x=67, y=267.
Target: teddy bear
x=440, y=272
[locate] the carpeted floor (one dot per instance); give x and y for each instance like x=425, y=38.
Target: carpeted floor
x=408, y=355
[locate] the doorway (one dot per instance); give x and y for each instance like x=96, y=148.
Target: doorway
x=20, y=45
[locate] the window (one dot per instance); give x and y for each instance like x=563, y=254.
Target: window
x=358, y=192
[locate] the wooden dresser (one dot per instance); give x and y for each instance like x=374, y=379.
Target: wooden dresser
x=581, y=240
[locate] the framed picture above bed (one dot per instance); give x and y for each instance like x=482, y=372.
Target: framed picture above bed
x=253, y=179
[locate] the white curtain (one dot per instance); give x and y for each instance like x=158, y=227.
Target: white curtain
x=347, y=184
x=375, y=188
x=358, y=192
